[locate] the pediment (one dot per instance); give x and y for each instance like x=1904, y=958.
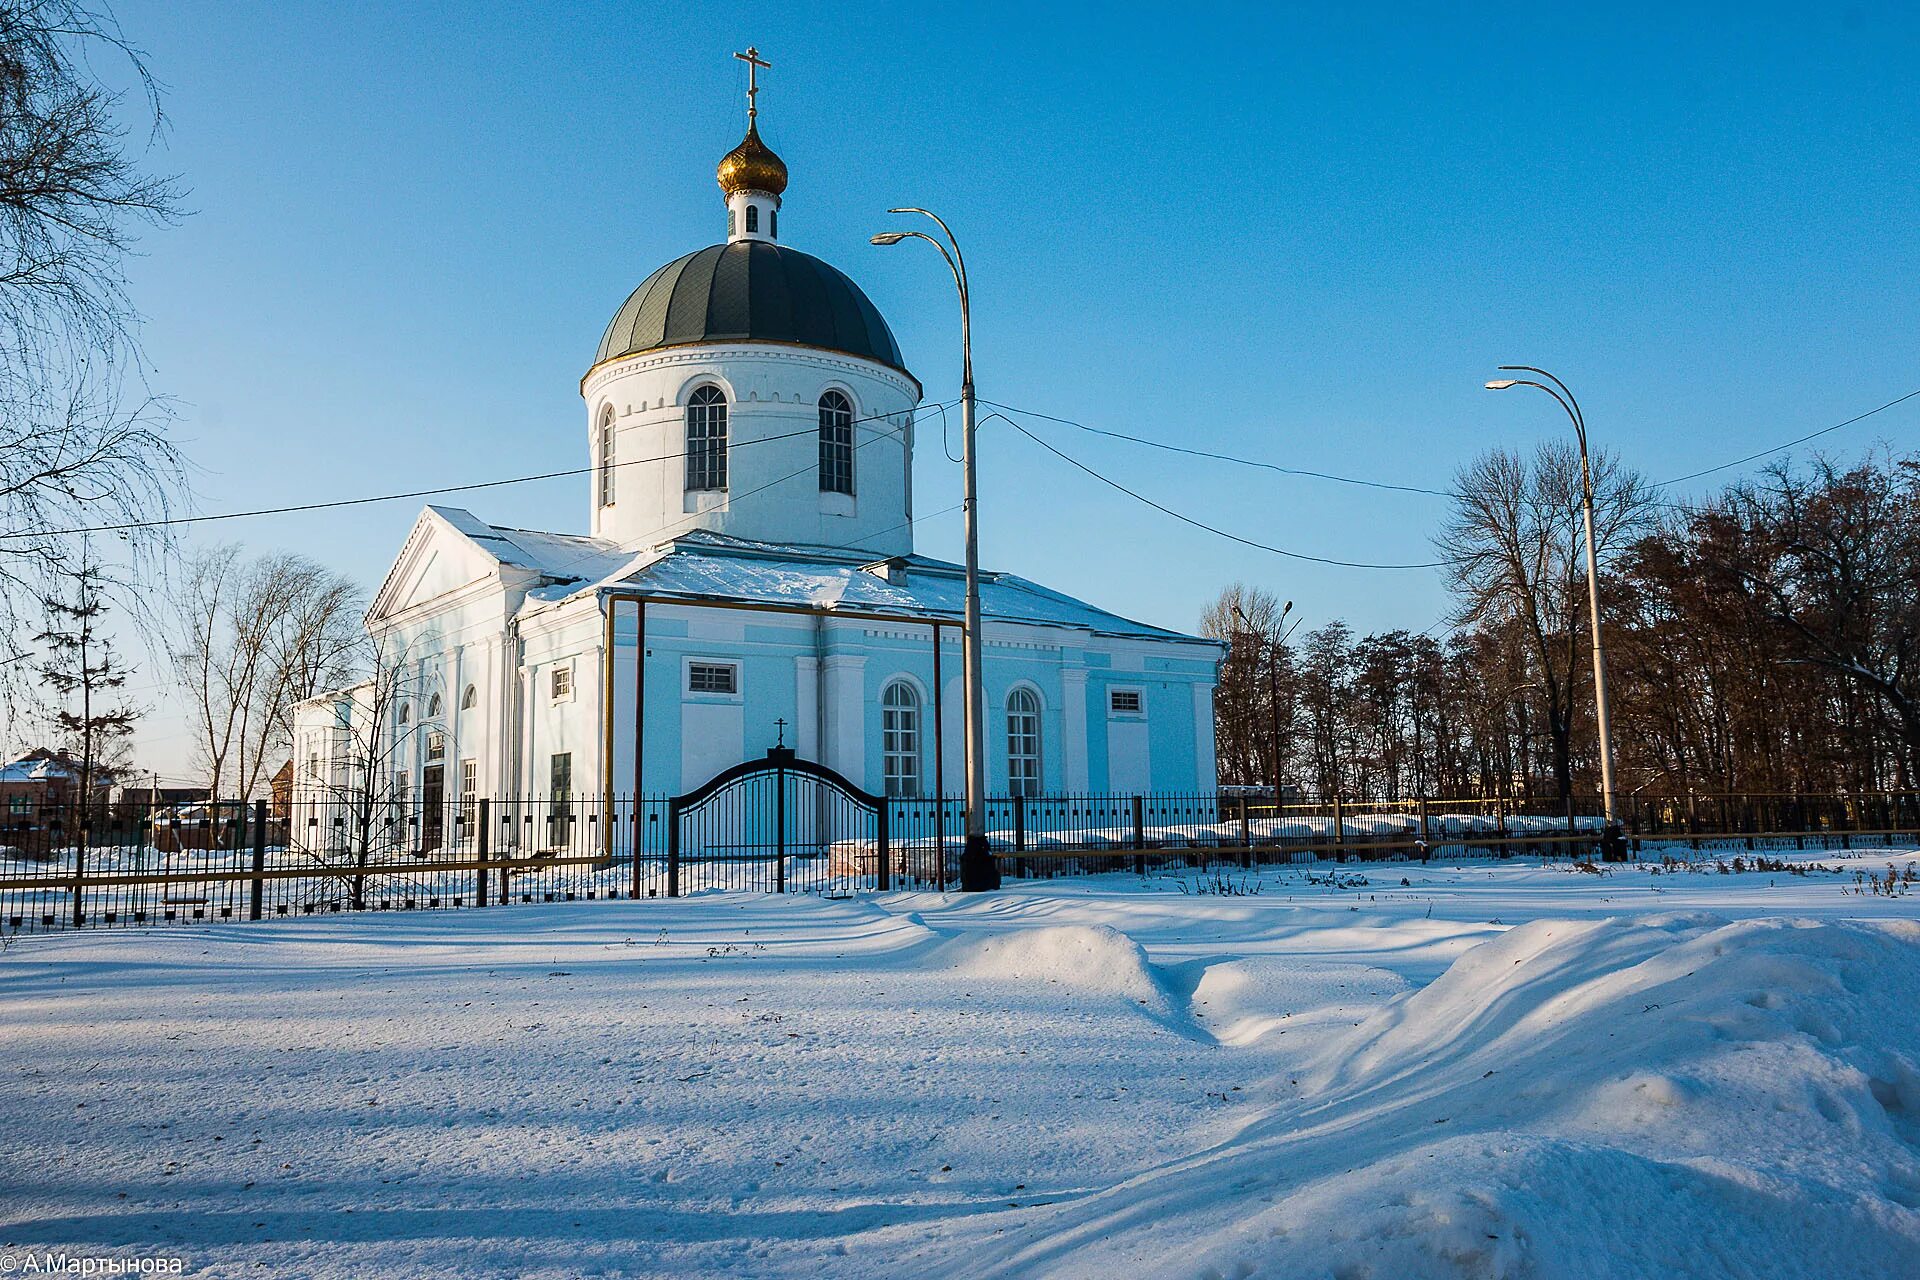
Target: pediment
x=437, y=562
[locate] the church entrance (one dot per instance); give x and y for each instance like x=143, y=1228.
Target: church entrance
x=433, y=810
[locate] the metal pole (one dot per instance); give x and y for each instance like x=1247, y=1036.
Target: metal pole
x=1603, y=720
x=977, y=867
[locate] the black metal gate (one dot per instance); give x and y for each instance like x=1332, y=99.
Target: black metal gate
x=778, y=825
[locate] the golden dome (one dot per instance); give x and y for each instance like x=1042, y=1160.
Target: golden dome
x=752, y=166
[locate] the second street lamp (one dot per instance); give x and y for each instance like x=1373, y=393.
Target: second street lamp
x=1602, y=717
x=978, y=870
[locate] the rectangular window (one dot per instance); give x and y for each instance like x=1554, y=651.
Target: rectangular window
x=19, y=803
x=563, y=681
x=560, y=801
x=713, y=677
x=1125, y=702
x=469, y=792
x=313, y=764
x=436, y=746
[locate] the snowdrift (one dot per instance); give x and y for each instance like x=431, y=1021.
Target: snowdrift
x=1087, y=960
x=1619, y=1098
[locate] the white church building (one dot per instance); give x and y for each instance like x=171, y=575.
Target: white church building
x=747, y=578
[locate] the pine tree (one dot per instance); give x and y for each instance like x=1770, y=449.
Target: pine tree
x=80, y=666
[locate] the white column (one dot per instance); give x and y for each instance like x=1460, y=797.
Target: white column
x=845, y=719
x=1073, y=728
x=1206, y=771
x=806, y=701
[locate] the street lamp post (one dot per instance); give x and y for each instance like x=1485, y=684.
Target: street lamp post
x=1602, y=716
x=978, y=870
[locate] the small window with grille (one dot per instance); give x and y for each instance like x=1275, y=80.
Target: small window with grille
x=713, y=677
x=1125, y=702
x=563, y=681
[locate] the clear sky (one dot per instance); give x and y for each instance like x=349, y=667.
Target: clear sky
x=1303, y=233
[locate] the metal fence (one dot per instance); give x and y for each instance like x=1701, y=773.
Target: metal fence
x=135, y=865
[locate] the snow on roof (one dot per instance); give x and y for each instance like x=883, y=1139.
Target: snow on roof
x=701, y=565
x=559, y=555
x=711, y=566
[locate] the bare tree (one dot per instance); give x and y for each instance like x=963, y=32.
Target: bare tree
x=76, y=447
x=251, y=639
x=354, y=797
x=1514, y=554
x=1253, y=701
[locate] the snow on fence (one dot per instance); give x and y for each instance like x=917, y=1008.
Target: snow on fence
x=131, y=865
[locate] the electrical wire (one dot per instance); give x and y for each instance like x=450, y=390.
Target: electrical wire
x=1201, y=524
x=1695, y=475
x=416, y=493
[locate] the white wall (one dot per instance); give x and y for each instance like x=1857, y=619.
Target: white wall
x=772, y=391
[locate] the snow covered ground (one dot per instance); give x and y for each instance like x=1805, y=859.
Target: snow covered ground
x=1486, y=1070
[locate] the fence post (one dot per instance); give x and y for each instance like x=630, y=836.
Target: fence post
x=1139, y=834
x=1019, y=824
x=1246, y=835
x=80, y=867
x=259, y=858
x=1426, y=828
x=481, y=836
x=883, y=846
x=1500, y=823
x=639, y=836
x=1339, y=818
x=673, y=849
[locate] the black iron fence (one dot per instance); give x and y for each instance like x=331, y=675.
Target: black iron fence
x=783, y=831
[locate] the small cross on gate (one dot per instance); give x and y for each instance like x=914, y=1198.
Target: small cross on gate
x=781, y=727
x=755, y=64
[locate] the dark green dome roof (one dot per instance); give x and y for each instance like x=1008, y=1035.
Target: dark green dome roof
x=750, y=291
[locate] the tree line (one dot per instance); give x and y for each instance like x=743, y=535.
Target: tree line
x=1765, y=640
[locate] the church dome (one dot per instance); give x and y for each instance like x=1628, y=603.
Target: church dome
x=750, y=291
x=752, y=166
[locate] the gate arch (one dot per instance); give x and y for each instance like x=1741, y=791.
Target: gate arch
x=779, y=824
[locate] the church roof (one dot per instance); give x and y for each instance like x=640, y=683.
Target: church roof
x=750, y=291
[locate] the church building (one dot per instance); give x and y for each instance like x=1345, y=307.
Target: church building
x=747, y=579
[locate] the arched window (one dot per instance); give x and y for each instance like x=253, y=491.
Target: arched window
x=406, y=712
x=773, y=223
x=900, y=738
x=433, y=706
x=836, y=443
x=1023, y=743
x=606, y=456
x=753, y=219
x=707, y=439
x=730, y=230
x=469, y=699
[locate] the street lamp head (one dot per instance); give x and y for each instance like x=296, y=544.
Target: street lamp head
x=1501, y=384
x=887, y=237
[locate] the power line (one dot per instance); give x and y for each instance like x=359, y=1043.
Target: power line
x=1695, y=475
x=1262, y=464
x=417, y=493
x=1201, y=524
x=1226, y=457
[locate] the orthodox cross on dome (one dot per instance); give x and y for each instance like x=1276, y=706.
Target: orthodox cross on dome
x=755, y=64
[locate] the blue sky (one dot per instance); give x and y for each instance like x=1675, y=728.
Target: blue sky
x=1306, y=234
